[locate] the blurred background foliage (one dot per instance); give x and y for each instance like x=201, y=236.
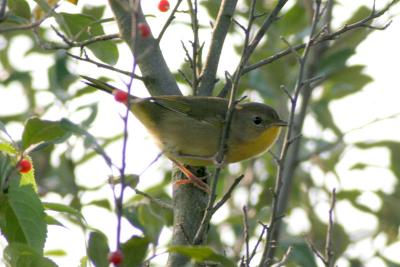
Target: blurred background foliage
x=54, y=77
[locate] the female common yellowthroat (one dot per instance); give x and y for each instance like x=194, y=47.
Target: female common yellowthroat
x=188, y=128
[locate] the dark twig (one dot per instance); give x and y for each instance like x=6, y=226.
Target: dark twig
x=105, y=66
x=228, y=194
x=317, y=39
x=273, y=229
x=187, y=80
x=193, y=8
x=157, y=201
x=225, y=133
x=134, y=7
x=260, y=238
x=315, y=250
x=329, y=253
x=246, y=236
x=284, y=259
x=30, y=26
x=328, y=259
x=71, y=43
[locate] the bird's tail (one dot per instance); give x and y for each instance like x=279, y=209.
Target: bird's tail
x=100, y=85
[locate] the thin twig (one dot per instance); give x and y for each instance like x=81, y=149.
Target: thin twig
x=72, y=43
x=273, y=229
x=246, y=236
x=134, y=6
x=329, y=253
x=169, y=21
x=195, y=44
x=260, y=238
x=315, y=251
x=105, y=66
x=228, y=194
x=317, y=39
x=32, y=25
x=284, y=259
x=157, y=201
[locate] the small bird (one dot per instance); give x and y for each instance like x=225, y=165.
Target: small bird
x=188, y=128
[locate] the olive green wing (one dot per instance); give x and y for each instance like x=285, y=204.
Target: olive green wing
x=210, y=110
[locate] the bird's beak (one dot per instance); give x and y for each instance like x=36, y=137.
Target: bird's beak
x=280, y=123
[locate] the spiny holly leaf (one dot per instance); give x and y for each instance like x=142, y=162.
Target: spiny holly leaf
x=22, y=255
x=201, y=254
x=24, y=217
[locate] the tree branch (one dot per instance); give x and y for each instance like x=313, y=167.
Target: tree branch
x=220, y=30
x=321, y=39
x=147, y=52
x=279, y=202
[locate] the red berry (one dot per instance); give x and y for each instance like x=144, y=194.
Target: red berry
x=144, y=30
x=120, y=96
x=115, y=257
x=163, y=5
x=24, y=166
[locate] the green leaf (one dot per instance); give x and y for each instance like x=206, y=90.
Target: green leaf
x=90, y=140
x=60, y=76
x=37, y=131
x=96, y=12
x=63, y=208
x=359, y=166
x=53, y=221
x=98, y=249
x=131, y=214
x=21, y=255
x=394, y=148
x=352, y=39
x=8, y=148
x=333, y=62
x=324, y=116
x=25, y=217
x=55, y=252
x=83, y=27
x=20, y=8
x=151, y=221
x=348, y=80
x=102, y=203
x=134, y=251
x=201, y=254
x=294, y=21
x=28, y=178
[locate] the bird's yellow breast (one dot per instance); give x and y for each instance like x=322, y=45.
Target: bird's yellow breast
x=252, y=147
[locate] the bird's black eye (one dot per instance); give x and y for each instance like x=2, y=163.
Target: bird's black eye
x=257, y=120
